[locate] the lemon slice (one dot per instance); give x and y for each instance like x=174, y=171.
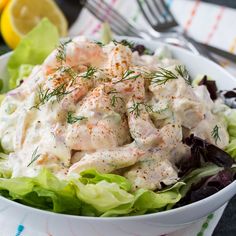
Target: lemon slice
x=21, y=16
x=3, y=3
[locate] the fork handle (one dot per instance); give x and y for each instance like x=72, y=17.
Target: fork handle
x=197, y=48
x=183, y=40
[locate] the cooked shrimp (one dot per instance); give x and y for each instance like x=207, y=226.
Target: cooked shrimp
x=106, y=161
x=171, y=134
x=119, y=60
x=173, y=88
x=77, y=90
x=185, y=104
x=141, y=127
x=74, y=53
x=151, y=171
x=107, y=108
x=190, y=113
x=206, y=127
x=133, y=85
x=89, y=136
x=104, y=128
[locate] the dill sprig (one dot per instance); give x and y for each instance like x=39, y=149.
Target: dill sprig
x=34, y=156
x=99, y=43
x=89, y=73
x=137, y=107
x=215, y=133
x=115, y=98
x=69, y=71
x=124, y=43
x=61, y=51
x=126, y=76
x=73, y=119
x=159, y=111
x=45, y=95
x=182, y=71
x=161, y=77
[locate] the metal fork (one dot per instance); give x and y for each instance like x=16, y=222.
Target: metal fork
x=161, y=19
x=121, y=26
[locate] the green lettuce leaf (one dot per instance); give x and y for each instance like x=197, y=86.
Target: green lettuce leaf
x=231, y=148
x=5, y=170
x=231, y=126
x=91, y=194
x=103, y=196
x=23, y=72
x=92, y=176
x=44, y=191
x=231, y=122
x=2, y=96
x=95, y=194
x=146, y=201
x=32, y=50
x=106, y=36
x=149, y=200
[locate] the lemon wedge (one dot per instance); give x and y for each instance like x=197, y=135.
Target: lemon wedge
x=3, y=3
x=21, y=16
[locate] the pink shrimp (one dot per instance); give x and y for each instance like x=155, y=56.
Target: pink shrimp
x=74, y=53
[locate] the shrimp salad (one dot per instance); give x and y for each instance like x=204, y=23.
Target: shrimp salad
x=96, y=116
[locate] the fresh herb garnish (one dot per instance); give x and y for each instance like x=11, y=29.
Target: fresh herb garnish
x=137, y=107
x=115, y=98
x=215, y=133
x=161, y=77
x=69, y=71
x=61, y=51
x=159, y=111
x=34, y=156
x=73, y=119
x=126, y=76
x=182, y=71
x=44, y=96
x=124, y=43
x=99, y=43
x=89, y=73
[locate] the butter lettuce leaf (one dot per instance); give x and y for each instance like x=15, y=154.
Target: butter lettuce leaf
x=91, y=194
x=32, y=50
x=231, y=148
x=44, y=191
x=92, y=176
x=103, y=196
x=231, y=122
x=231, y=126
x=147, y=201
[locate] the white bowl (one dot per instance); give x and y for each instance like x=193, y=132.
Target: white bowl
x=147, y=225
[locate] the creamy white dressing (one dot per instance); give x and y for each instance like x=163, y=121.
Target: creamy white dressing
x=117, y=122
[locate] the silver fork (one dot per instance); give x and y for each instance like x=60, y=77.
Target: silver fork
x=161, y=19
x=121, y=26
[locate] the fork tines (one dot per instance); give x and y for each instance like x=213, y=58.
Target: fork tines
x=106, y=13
x=157, y=14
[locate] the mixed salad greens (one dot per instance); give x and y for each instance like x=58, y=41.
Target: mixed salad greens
x=207, y=170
